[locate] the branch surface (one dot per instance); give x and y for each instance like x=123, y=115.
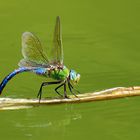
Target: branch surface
x=108, y=94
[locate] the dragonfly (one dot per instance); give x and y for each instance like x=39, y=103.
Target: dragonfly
x=35, y=60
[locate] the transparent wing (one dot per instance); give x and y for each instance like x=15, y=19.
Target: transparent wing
x=28, y=63
x=32, y=51
x=57, y=49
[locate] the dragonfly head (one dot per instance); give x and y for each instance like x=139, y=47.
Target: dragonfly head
x=74, y=77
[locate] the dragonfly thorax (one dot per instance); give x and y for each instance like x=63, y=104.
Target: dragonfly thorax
x=59, y=73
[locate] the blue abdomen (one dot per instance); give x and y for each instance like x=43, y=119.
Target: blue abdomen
x=41, y=71
x=12, y=74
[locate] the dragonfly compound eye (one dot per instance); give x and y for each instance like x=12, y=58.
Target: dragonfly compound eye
x=74, y=77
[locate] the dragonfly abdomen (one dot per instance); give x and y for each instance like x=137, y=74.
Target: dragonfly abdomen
x=8, y=77
x=41, y=71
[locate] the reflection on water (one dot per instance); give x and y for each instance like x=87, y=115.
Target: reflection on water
x=54, y=123
x=57, y=120
x=96, y=119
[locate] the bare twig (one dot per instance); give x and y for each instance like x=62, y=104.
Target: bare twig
x=113, y=93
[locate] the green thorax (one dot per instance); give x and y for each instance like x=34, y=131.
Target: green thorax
x=60, y=74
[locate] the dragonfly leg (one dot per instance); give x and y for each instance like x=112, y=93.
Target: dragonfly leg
x=74, y=89
x=45, y=84
x=65, y=91
x=70, y=88
x=63, y=84
x=58, y=88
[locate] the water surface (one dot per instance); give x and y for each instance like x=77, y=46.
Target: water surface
x=101, y=42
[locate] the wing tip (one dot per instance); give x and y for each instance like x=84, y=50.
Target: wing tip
x=58, y=18
x=26, y=33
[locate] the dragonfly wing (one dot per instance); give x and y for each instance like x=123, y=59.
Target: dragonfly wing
x=32, y=50
x=57, y=49
x=28, y=63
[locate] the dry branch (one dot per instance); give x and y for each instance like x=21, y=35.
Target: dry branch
x=113, y=93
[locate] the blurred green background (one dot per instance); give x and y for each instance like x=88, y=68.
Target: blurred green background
x=101, y=41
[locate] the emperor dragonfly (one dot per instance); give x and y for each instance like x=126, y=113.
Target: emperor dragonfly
x=35, y=60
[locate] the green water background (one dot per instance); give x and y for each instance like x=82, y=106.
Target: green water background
x=101, y=41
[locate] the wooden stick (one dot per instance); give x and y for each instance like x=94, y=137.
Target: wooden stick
x=108, y=94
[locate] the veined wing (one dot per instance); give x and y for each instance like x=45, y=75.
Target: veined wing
x=28, y=63
x=32, y=51
x=57, y=50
